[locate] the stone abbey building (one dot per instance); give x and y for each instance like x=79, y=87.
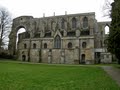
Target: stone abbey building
x=65, y=39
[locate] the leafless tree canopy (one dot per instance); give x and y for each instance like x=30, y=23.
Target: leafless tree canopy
x=5, y=26
x=107, y=8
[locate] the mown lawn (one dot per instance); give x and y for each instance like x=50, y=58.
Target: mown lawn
x=20, y=76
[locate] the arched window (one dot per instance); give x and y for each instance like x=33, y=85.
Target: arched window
x=106, y=29
x=45, y=45
x=85, y=22
x=63, y=23
x=34, y=45
x=69, y=45
x=74, y=22
x=25, y=46
x=57, y=42
x=84, y=45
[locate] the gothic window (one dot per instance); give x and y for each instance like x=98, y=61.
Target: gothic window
x=74, y=22
x=34, y=45
x=25, y=46
x=84, y=45
x=69, y=45
x=63, y=24
x=85, y=22
x=45, y=45
x=107, y=29
x=57, y=42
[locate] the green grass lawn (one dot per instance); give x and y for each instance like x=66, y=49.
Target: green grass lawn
x=20, y=76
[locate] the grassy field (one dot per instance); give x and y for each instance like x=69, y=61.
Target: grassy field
x=21, y=76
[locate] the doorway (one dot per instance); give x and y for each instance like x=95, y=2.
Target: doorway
x=23, y=57
x=83, y=58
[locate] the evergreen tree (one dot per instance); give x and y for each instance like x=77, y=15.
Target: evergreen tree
x=114, y=36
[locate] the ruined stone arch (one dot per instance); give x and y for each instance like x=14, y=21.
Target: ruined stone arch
x=19, y=22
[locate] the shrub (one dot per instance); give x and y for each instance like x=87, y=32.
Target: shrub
x=5, y=55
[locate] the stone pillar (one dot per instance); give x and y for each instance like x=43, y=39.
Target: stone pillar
x=53, y=26
x=65, y=33
x=50, y=56
x=10, y=46
x=62, y=61
x=91, y=31
x=52, y=33
x=49, y=59
x=65, y=25
x=12, y=43
x=76, y=55
x=43, y=30
x=77, y=33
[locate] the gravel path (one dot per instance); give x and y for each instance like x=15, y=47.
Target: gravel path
x=113, y=72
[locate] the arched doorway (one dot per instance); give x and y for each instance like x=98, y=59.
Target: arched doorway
x=83, y=58
x=23, y=58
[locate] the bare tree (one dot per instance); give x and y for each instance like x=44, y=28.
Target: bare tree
x=107, y=8
x=5, y=26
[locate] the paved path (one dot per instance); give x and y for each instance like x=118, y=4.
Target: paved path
x=113, y=72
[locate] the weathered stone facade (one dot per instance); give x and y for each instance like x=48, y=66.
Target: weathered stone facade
x=66, y=39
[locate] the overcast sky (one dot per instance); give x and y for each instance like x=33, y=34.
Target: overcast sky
x=36, y=8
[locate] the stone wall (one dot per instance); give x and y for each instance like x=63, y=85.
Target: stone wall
x=106, y=58
x=77, y=43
